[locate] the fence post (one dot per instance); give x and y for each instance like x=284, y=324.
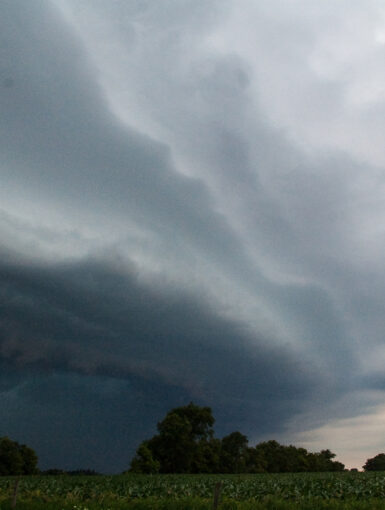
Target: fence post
x=217, y=492
x=15, y=491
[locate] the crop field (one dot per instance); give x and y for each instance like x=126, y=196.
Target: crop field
x=303, y=491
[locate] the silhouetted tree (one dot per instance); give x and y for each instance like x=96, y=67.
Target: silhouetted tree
x=83, y=472
x=376, y=463
x=54, y=472
x=144, y=462
x=273, y=454
x=255, y=461
x=16, y=459
x=207, y=456
x=322, y=461
x=185, y=443
x=233, y=456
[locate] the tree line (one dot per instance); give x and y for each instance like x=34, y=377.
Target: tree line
x=185, y=443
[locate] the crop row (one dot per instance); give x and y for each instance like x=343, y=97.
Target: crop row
x=243, y=487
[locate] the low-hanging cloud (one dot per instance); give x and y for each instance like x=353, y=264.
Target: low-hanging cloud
x=91, y=320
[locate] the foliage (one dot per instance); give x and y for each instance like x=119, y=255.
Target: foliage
x=144, y=462
x=376, y=463
x=234, y=453
x=75, y=472
x=290, y=459
x=53, y=472
x=16, y=459
x=185, y=443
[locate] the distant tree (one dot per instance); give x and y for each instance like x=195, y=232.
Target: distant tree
x=376, y=463
x=294, y=460
x=174, y=446
x=200, y=419
x=16, y=459
x=282, y=459
x=29, y=459
x=233, y=455
x=11, y=461
x=207, y=456
x=73, y=472
x=290, y=459
x=255, y=461
x=184, y=443
x=274, y=456
x=144, y=462
x=337, y=466
x=54, y=472
x=322, y=462
x=331, y=465
x=82, y=472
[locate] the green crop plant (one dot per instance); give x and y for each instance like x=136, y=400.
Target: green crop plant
x=300, y=491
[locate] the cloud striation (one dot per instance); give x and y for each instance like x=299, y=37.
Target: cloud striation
x=191, y=208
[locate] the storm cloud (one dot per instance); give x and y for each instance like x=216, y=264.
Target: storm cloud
x=191, y=208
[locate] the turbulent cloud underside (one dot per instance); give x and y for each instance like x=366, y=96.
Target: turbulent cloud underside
x=191, y=209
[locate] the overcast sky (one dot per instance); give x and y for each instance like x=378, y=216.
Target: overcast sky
x=192, y=208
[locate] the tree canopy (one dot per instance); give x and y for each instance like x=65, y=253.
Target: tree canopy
x=376, y=463
x=16, y=459
x=185, y=443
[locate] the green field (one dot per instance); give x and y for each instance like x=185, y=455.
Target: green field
x=303, y=491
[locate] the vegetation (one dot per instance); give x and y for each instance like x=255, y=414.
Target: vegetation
x=264, y=477
x=376, y=463
x=76, y=472
x=185, y=443
x=239, y=492
x=16, y=459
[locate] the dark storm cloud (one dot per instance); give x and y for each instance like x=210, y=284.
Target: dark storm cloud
x=62, y=147
x=164, y=237
x=59, y=140
x=89, y=320
x=78, y=421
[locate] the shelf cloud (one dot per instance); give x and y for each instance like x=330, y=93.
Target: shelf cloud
x=191, y=209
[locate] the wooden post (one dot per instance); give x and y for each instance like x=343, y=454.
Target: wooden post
x=217, y=492
x=15, y=491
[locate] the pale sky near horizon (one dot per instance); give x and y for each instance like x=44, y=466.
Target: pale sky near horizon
x=192, y=208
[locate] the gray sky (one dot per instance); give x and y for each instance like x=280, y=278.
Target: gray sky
x=192, y=207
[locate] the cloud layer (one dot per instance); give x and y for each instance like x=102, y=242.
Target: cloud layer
x=191, y=209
